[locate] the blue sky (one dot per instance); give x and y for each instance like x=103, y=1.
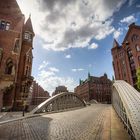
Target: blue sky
x=75, y=37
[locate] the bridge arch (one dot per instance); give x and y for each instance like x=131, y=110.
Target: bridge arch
x=58, y=102
x=126, y=102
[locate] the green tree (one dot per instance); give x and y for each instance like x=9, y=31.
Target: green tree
x=138, y=78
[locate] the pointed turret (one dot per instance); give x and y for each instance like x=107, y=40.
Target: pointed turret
x=113, y=79
x=10, y=7
x=88, y=74
x=115, y=44
x=28, y=26
x=80, y=81
x=105, y=75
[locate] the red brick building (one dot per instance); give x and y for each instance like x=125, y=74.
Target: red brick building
x=97, y=88
x=126, y=57
x=60, y=89
x=16, y=39
x=38, y=94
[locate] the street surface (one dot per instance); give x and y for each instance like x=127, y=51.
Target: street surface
x=89, y=123
x=10, y=115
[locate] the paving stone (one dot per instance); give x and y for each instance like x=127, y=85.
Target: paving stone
x=90, y=123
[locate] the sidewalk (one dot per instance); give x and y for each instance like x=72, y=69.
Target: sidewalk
x=113, y=128
x=117, y=129
x=4, y=116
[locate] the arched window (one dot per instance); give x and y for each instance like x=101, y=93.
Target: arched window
x=9, y=66
x=137, y=47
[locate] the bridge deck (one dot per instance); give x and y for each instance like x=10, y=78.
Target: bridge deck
x=97, y=121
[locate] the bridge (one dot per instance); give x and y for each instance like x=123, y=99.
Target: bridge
x=94, y=122
x=59, y=102
x=126, y=102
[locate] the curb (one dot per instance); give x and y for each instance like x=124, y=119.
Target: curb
x=3, y=115
x=21, y=118
x=37, y=115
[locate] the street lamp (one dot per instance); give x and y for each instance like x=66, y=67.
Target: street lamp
x=24, y=104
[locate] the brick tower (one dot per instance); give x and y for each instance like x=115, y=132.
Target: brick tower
x=15, y=55
x=126, y=57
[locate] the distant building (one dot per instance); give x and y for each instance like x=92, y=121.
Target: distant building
x=126, y=57
x=16, y=44
x=38, y=94
x=97, y=88
x=60, y=89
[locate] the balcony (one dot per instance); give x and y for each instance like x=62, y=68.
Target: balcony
x=6, y=80
x=28, y=78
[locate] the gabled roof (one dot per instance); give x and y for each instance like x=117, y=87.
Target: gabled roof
x=131, y=26
x=10, y=7
x=115, y=44
x=28, y=25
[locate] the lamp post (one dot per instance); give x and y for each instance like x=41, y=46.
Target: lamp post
x=24, y=104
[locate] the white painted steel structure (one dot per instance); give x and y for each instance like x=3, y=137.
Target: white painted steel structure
x=126, y=101
x=59, y=102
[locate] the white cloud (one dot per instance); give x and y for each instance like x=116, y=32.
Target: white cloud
x=93, y=46
x=49, y=79
x=138, y=6
x=53, y=69
x=89, y=65
x=68, y=56
x=131, y=2
x=117, y=33
x=128, y=19
x=43, y=65
x=45, y=74
x=76, y=70
x=64, y=24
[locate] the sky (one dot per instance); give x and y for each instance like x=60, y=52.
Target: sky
x=74, y=37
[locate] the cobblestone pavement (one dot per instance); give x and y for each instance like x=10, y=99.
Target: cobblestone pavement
x=4, y=116
x=88, y=123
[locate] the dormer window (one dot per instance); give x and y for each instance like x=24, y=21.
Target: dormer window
x=28, y=36
x=4, y=25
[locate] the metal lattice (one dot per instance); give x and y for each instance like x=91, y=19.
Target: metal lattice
x=126, y=101
x=59, y=102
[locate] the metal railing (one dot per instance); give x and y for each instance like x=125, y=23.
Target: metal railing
x=126, y=101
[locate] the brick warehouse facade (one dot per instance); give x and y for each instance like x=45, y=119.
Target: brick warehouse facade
x=16, y=38
x=38, y=94
x=59, y=90
x=126, y=57
x=97, y=88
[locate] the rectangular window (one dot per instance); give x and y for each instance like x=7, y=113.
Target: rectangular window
x=4, y=25
x=16, y=47
x=7, y=26
x=28, y=36
x=137, y=47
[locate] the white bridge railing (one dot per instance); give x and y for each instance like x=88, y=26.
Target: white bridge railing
x=126, y=101
x=59, y=102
